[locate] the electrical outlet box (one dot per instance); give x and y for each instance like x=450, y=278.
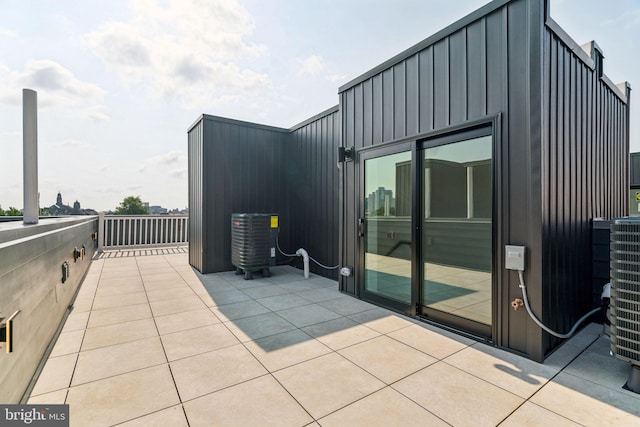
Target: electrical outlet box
x=514, y=257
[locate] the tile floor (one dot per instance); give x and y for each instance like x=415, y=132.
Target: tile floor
x=150, y=342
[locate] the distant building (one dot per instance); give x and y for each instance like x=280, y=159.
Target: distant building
x=61, y=209
x=380, y=202
x=157, y=210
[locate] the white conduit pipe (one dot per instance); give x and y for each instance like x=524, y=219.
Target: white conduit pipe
x=542, y=325
x=305, y=258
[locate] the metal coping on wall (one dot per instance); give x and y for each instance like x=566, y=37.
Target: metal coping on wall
x=582, y=55
x=236, y=122
x=318, y=116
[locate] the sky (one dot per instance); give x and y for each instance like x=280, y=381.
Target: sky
x=120, y=82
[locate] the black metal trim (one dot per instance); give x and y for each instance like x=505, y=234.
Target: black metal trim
x=476, y=131
x=460, y=127
x=386, y=302
x=458, y=323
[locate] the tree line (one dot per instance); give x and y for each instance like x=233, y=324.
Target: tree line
x=131, y=205
x=10, y=212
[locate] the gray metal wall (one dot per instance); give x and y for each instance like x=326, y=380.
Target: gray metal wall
x=30, y=274
x=196, y=184
x=237, y=166
x=634, y=170
x=474, y=70
x=491, y=65
x=240, y=170
x=584, y=168
x=312, y=178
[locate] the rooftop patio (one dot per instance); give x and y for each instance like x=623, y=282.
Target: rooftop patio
x=152, y=342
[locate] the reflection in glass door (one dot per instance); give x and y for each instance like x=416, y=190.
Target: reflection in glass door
x=387, y=231
x=457, y=229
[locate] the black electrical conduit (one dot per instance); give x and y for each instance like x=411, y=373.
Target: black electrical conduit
x=542, y=325
x=310, y=257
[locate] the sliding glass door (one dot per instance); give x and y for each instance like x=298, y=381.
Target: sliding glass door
x=426, y=228
x=386, y=228
x=457, y=250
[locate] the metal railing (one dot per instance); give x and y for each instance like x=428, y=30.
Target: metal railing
x=134, y=231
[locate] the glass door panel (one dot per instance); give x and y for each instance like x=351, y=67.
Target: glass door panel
x=457, y=229
x=387, y=231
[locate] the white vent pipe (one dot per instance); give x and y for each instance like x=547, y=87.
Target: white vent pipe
x=305, y=258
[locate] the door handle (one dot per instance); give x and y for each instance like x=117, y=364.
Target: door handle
x=360, y=227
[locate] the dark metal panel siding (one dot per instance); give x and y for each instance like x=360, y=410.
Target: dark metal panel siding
x=476, y=66
x=482, y=69
x=348, y=117
x=519, y=182
x=441, y=84
x=634, y=171
x=358, y=113
x=561, y=156
x=348, y=208
x=399, y=101
x=458, y=77
x=412, y=91
x=496, y=66
x=387, y=105
x=239, y=161
x=367, y=113
x=425, y=102
x=314, y=191
x=377, y=110
x=194, y=141
x=585, y=162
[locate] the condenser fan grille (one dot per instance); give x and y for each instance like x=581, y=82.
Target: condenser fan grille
x=625, y=289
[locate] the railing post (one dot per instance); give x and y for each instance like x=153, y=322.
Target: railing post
x=100, y=232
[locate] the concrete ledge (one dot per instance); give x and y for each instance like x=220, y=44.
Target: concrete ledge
x=31, y=281
x=13, y=230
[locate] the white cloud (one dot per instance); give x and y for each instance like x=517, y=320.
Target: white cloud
x=337, y=78
x=55, y=84
x=98, y=116
x=312, y=65
x=178, y=173
x=70, y=143
x=108, y=190
x=5, y=32
x=184, y=51
x=170, y=158
x=628, y=19
x=12, y=134
x=316, y=66
x=166, y=158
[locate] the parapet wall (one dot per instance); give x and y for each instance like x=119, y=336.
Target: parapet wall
x=31, y=282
